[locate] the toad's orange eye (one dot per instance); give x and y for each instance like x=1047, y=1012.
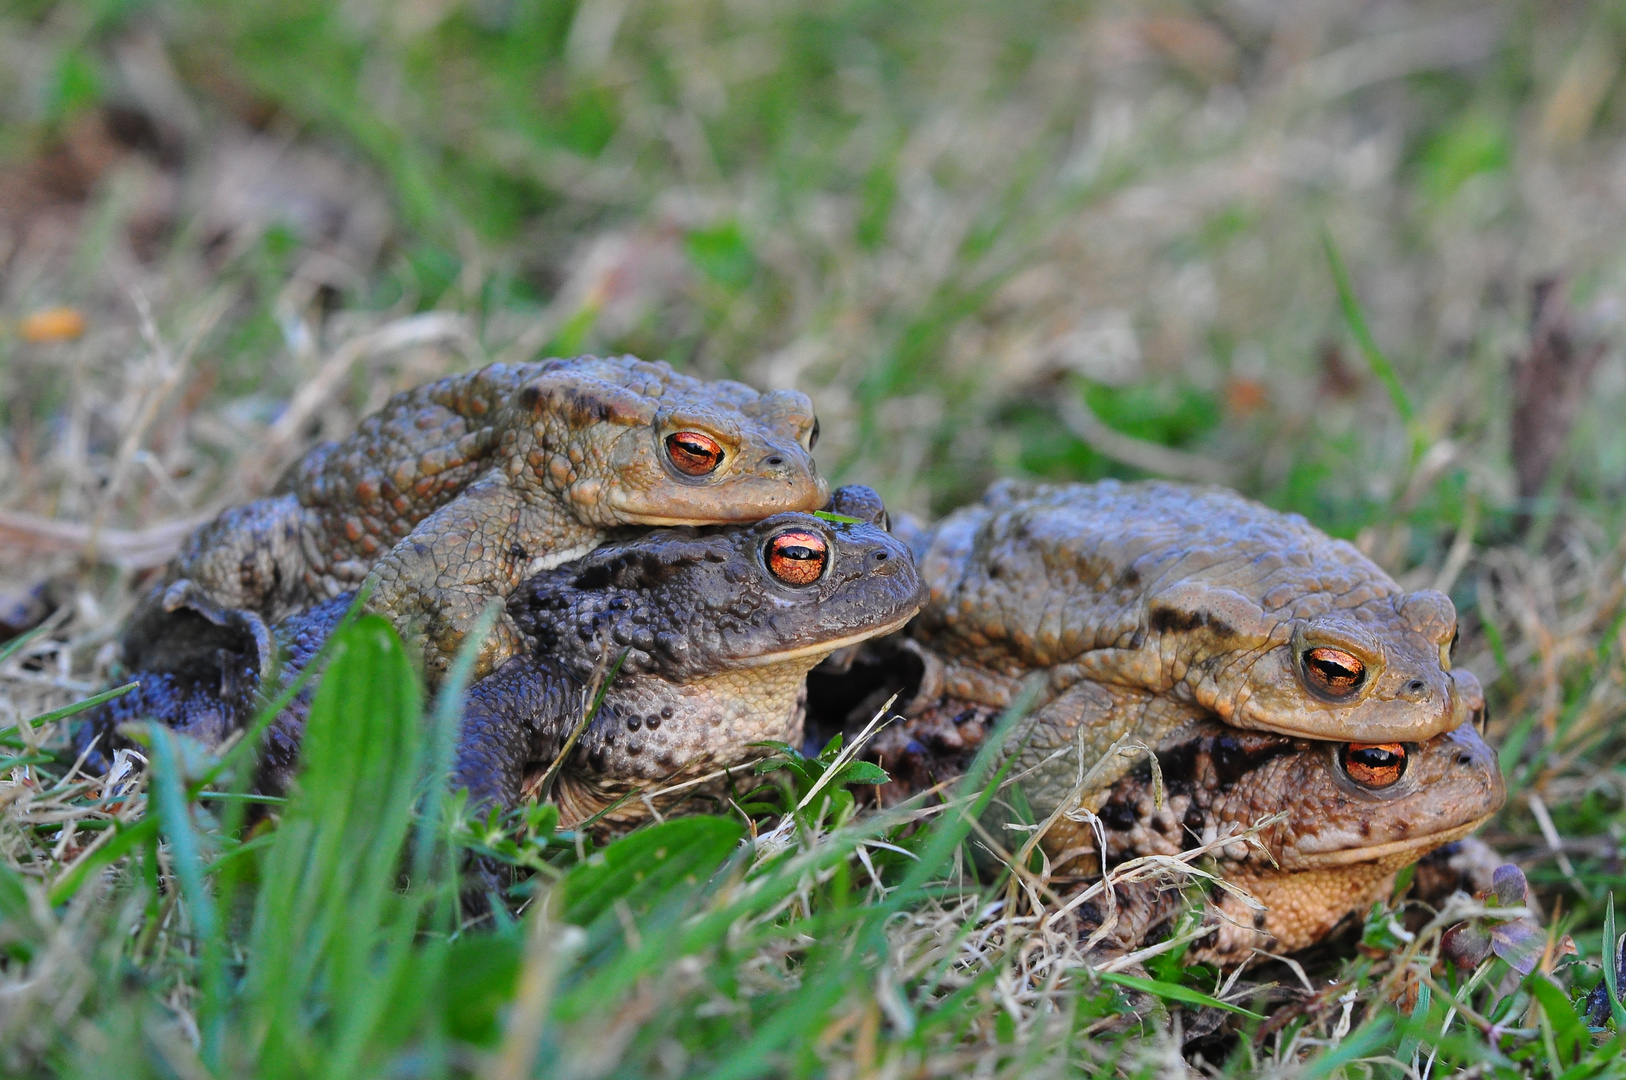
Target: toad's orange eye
x=1375, y=765
x=1333, y=672
x=694, y=454
x=797, y=558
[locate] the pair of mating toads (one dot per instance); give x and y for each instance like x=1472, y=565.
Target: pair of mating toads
x=627, y=512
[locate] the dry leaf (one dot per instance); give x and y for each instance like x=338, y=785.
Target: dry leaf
x=52, y=324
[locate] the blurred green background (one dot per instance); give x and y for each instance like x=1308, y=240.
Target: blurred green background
x=952, y=223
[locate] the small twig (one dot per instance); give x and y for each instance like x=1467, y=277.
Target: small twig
x=319, y=389
x=133, y=550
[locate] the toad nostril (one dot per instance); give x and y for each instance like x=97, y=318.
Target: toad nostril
x=776, y=461
x=1465, y=760
x=880, y=556
x=1417, y=686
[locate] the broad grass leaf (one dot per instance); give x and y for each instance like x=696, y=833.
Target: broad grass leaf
x=642, y=869
x=864, y=772
x=13, y=897
x=487, y=969
x=19, y=934
x=328, y=902
x=1569, y=1034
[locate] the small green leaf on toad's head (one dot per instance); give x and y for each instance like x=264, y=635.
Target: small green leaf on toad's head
x=839, y=519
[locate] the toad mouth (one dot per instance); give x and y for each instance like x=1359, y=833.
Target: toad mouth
x=1376, y=852
x=823, y=648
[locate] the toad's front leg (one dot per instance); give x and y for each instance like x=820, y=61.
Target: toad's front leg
x=1070, y=751
x=434, y=584
x=517, y=715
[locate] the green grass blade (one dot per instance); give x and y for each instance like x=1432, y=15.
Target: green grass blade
x=129, y=838
x=801, y=1013
x=248, y=745
x=22, y=641
x=327, y=905
x=174, y=816
x=1355, y=319
x=74, y=709
x=551, y=775
x=1364, y=1041
x=1173, y=992
x=440, y=744
x=1611, y=963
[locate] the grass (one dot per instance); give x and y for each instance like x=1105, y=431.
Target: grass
x=1290, y=247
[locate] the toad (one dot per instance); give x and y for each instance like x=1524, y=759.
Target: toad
x=1130, y=605
x=716, y=630
x=1349, y=816
x=457, y=490
x=709, y=631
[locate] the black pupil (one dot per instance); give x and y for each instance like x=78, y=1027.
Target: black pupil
x=1334, y=671
x=798, y=552
x=695, y=448
x=1375, y=757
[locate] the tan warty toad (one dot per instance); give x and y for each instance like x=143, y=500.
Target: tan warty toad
x=1351, y=816
x=454, y=492
x=1134, y=604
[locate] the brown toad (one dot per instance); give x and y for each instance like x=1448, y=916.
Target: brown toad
x=1348, y=816
x=457, y=490
x=1133, y=604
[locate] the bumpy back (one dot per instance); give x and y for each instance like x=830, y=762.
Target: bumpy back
x=1035, y=576
x=428, y=444
x=1253, y=615
x=412, y=456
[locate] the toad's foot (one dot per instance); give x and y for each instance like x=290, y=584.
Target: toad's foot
x=435, y=583
x=249, y=557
